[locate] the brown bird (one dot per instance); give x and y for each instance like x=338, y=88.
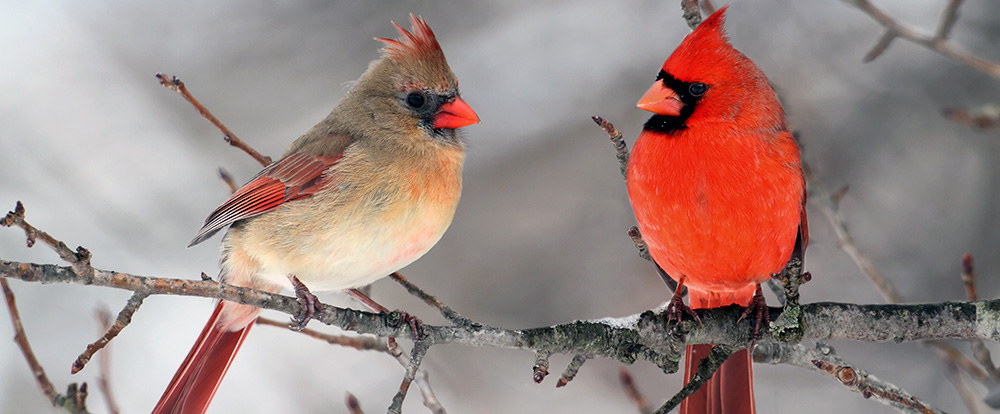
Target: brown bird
x=361, y=194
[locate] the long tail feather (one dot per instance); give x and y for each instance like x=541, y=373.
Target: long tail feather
x=195, y=383
x=730, y=390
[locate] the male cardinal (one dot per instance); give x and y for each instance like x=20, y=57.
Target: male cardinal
x=717, y=188
x=365, y=192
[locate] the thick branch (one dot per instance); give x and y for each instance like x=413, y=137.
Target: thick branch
x=641, y=336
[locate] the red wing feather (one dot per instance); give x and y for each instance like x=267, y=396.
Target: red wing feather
x=294, y=177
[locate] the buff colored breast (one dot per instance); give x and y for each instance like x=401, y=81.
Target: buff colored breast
x=372, y=225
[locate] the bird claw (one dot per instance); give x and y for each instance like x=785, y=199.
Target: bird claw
x=308, y=305
x=676, y=309
x=758, y=306
x=416, y=325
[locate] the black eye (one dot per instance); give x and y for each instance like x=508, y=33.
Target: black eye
x=415, y=100
x=698, y=89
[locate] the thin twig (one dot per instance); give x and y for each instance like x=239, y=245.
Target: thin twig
x=948, y=19
x=541, y=368
x=708, y=7
x=228, y=179
x=353, y=405
x=692, y=14
x=431, y=300
x=75, y=399
x=706, y=368
x=621, y=148
x=964, y=391
x=359, y=342
x=984, y=117
x=829, y=204
x=175, y=84
x=103, y=379
x=124, y=318
x=571, y=370
x=80, y=259
x=633, y=393
x=936, y=43
x=854, y=379
x=416, y=358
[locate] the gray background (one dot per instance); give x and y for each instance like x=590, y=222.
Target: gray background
x=104, y=157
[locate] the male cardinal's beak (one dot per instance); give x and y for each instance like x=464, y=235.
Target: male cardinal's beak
x=661, y=100
x=455, y=114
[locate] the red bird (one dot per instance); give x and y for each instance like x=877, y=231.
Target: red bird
x=365, y=192
x=716, y=184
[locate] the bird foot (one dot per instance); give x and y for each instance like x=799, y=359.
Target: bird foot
x=416, y=325
x=676, y=309
x=758, y=306
x=308, y=305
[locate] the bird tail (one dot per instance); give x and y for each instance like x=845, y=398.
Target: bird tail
x=730, y=390
x=194, y=384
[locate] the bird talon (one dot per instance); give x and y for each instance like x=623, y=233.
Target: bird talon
x=758, y=306
x=676, y=309
x=308, y=305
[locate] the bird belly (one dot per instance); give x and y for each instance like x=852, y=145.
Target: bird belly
x=357, y=245
x=721, y=216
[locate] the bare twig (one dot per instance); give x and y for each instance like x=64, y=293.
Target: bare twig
x=416, y=358
x=621, y=148
x=175, y=84
x=692, y=14
x=706, y=368
x=571, y=370
x=829, y=204
x=359, y=342
x=633, y=393
x=353, y=405
x=103, y=381
x=75, y=399
x=431, y=300
x=228, y=179
x=855, y=379
x=948, y=19
x=708, y=7
x=80, y=259
x=640, y=244
x=985, y=116
x=541, y=368
x=936, y=43
x=964, y=391
x=124, y=318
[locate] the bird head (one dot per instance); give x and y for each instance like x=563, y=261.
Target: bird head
x=707, y=80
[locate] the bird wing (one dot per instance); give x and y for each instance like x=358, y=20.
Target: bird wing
x=294, y=177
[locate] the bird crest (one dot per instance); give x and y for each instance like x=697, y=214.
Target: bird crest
x=418, y=42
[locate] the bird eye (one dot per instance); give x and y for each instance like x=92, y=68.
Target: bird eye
x=415, y=100
x=698, y=89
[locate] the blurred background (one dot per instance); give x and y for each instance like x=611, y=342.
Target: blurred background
x=104, y=157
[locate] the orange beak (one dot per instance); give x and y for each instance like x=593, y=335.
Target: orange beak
x=661, y=100
x=455, y=114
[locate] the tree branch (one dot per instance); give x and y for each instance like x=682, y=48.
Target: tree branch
x=937, y=43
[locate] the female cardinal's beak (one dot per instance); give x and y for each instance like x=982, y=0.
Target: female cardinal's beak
x=455, y=114
x=661, y=100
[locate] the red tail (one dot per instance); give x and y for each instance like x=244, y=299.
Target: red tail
x=730, y=390
x=194, y=384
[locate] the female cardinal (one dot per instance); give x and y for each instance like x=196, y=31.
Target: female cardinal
x=365, y=192
x=716, y=184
